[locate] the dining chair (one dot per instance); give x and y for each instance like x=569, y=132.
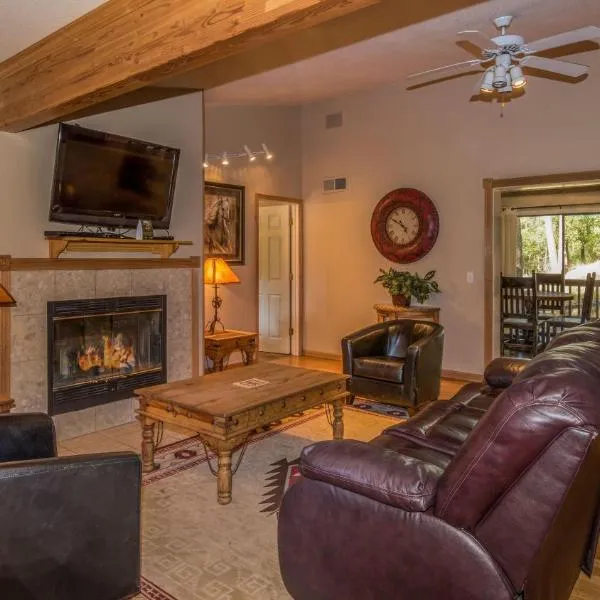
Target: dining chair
x=557, y=324
x=548, y=283
x=519, y=324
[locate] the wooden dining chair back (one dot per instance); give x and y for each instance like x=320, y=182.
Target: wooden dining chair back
x=549, y=282
x=588, y=297
x=519, y=325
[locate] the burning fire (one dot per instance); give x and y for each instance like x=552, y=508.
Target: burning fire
x=114, y=355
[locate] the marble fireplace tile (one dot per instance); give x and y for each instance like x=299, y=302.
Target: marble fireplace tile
x=111, y=284
x=148, y=282
x=179, y=361
x=28, y=338
x=31, y=290
x=179, y=289
x=75, y=423
x=29, y=386
x=114, y=413
x=74, y=285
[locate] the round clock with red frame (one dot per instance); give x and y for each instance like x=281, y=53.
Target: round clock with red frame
x=405, y=225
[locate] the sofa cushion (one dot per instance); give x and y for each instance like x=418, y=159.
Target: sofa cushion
x=388, y=368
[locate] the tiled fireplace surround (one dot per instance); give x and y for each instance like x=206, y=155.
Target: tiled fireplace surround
x=28, y=339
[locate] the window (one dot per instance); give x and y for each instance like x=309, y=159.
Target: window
x=568, y=243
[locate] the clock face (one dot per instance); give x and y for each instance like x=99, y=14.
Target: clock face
x=402, y=225
x=405, y=225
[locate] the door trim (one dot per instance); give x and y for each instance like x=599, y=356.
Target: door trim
x=297, y=242
x=492, y=188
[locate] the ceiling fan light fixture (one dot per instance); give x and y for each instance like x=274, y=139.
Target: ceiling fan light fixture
x=500, y=77
x=518, y=79
x=487, y=83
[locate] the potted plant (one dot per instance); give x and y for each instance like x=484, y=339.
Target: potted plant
x=402, y=285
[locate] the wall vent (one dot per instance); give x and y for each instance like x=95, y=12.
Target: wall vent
x=335, y=184
x=334, y=120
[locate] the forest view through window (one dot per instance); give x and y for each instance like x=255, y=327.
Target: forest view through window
x=567, y=243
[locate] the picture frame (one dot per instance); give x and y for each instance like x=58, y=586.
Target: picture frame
x=224, y=222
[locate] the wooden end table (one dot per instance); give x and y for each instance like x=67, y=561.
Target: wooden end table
x=6, y=404
x=418, y=312
x=225, y=415
x=220, y=345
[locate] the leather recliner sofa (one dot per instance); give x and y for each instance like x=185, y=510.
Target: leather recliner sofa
x=70, y=526
x=493, y=495
x=398, y=362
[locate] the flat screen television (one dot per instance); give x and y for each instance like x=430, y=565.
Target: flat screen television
x=106, y=179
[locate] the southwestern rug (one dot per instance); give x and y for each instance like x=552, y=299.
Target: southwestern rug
x=196, y=549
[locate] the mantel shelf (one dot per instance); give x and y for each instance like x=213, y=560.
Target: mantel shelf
x=164, y=248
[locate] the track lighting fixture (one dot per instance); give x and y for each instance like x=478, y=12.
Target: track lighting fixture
x=268, y=154
x=225, y=161
x=251, y=156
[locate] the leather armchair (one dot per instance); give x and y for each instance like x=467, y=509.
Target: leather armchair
x=494, y=494
x=70, y=526
x=398, y=362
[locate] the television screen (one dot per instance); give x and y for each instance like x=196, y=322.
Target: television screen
x=106, y=179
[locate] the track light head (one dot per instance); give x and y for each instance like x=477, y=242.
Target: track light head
x=251, y=156
x=268, y=153
x=225, y=161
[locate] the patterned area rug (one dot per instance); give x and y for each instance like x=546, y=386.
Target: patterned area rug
x=196, y=549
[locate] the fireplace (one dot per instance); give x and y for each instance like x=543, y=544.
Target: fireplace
x=100, y=350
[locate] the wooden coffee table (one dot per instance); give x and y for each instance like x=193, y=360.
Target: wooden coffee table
x=225, y=415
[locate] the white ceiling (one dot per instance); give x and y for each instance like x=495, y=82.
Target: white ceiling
x=24, y=22
x=391, y=57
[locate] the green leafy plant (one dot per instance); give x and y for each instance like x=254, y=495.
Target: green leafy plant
x=404, y=283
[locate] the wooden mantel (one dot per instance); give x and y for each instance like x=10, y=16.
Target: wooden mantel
x=125, y=46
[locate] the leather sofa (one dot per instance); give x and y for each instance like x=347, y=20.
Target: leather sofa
x=397, y=362
x=70, y=526
x=492, y=495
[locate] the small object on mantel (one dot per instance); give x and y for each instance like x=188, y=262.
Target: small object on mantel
x=417, y=312
x=6, y=404
x=164, y=248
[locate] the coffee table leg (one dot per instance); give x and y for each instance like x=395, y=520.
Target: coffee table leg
x=224, y=477
x=148, y=464
x=338, y=418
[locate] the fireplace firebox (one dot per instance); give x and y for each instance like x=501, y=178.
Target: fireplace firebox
x=100, y=350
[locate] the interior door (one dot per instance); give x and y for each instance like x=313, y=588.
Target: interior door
x=274, y=269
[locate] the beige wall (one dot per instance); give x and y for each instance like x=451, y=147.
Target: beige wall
x=433, y=139
x=228, y=129
x=27, y=166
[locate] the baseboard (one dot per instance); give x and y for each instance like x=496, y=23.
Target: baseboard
x=446, y=373
x=459, y=375
x=323, y=355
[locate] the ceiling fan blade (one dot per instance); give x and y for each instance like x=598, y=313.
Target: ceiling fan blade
x=441, y=72
x=555, y=66
x=562, y=39
x=479, y=39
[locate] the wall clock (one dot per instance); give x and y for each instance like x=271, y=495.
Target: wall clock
x=405, y=225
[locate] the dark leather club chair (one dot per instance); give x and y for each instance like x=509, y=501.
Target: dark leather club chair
x=398, y=362
x=70, y=526
x=492, y=495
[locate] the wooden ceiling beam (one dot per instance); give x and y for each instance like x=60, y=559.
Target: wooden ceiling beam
x=124, y=45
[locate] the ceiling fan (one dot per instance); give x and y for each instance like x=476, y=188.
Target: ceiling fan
x=503, y=58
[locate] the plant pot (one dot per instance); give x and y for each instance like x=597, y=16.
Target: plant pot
x=401, y=300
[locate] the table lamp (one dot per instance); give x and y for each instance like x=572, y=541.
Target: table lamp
x=217, y=272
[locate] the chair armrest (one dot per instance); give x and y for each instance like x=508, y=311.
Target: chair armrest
x=382, y=475
x=369, y=341
x=501, y=372
x=26, y=437
x=71, y=527
x=423, y=368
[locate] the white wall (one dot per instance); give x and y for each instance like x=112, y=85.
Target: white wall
x=433, y=139
x=27, y=167
x=228, y=129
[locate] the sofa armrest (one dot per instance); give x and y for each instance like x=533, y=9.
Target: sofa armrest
x=369, y=341
x=423, y=368
x=26, y=437
x=71, y=527
x=501, y=372
x=382, y=475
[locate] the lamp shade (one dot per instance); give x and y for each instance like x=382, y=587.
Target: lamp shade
x=5, y=298
x=218, y=272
